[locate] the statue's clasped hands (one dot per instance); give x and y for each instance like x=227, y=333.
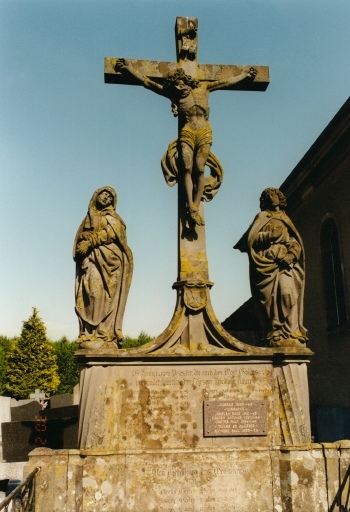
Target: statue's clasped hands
x=288, y=261
x=84, y=244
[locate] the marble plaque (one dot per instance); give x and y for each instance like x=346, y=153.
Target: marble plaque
x=235, y=418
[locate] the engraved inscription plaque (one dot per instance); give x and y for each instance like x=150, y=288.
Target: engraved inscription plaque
x=235, y=418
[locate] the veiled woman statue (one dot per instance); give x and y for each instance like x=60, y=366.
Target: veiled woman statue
x=277, y=271
x=104, y=266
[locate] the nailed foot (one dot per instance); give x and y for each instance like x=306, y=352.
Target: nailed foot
x=194, y=214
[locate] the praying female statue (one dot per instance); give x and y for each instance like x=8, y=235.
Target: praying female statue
x=104, y=265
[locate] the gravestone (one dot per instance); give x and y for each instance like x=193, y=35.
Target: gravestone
x=19, y=438
x=26, y=412
x=5, y=415
x=64, y=400
x=68, y=411
x=31, y=426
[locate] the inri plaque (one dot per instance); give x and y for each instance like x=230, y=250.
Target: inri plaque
x=235, y=418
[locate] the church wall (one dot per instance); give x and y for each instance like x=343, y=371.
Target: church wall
x=329, y=368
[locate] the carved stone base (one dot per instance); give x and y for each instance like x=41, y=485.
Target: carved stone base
x=288, y=479
x=145, y=444
x=137, y=405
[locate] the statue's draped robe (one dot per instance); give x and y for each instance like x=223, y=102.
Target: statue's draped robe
x=278, y=290
x=104, y=275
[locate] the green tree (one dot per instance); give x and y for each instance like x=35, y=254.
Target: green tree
x=68, y=370
x=32, y=362
x=142, y=338
x=6, y=345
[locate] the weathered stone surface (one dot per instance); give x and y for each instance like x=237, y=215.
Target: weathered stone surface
x=104, y=266
x=76, y=394
x=291, y=392
x=344, y=473
x=201, y=482
x=5, y=416
x=160, y=70
x=5, y=410
x=277, y=272
x=295, y=484
x=259, y=480
x=59, y=483
x=161, y=407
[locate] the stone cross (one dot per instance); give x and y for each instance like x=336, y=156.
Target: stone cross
x=38, y=395
x=187, y=84
x=186, y=59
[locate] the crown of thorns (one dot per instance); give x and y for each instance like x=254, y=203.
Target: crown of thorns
x=179, y=74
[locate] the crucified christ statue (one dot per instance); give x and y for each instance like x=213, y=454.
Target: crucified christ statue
x=190, y=103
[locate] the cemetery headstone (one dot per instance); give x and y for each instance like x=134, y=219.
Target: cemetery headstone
x=33, y=426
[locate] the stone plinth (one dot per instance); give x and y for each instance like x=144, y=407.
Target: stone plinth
x=279, y=479
x=148, y=405
x=142, y=430
x=143, y=445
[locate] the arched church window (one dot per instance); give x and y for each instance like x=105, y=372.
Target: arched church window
x=333, y=282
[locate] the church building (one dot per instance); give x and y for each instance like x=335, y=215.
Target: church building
x=318, y=202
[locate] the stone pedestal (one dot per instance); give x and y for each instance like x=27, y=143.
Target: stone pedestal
x=277, y=479
x=145, y=444
x=152, y=405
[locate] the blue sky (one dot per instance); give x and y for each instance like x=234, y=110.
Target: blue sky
x=64, y=133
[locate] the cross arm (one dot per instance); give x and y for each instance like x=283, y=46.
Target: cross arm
x=219, y=72
x=158, y=71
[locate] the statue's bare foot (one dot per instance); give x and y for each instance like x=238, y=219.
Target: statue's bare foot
x=196, y=217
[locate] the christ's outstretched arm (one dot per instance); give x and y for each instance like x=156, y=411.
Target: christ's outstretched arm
x=122, y=66
x=247, y=72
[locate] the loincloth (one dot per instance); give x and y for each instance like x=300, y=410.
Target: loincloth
x=196, y=138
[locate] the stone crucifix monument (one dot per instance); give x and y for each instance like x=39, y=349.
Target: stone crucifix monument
x=195, y=420
x=187, y=85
